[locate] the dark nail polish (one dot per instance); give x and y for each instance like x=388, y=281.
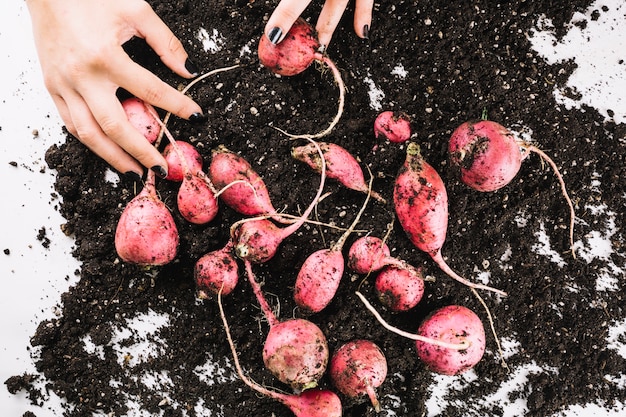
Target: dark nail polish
x=366, y=32
x=275, y=34
x=191, y=67
x=160, y=171
x=197, y=118
x=132, y=176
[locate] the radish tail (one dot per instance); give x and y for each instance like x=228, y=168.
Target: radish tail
x=258, y=292
x=371, y=393
x=438, y=258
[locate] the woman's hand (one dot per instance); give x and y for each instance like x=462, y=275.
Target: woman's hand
x=79, y=43
x=288, y=11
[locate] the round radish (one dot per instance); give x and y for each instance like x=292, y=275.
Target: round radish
x=399, y=289
x=357, y=368
x=216, y=271
x=394, y=126
x=294, y=54
x=175, y=170
x=196, y=200
x=141, y=115
x=452, y=324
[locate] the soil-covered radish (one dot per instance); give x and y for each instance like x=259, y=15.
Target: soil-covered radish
x=394, y=126
x=341, y=165
x=216, y=271
x=399, y=289
x=452, y=324
x=175, y=168
x=421, y=204
x=357, y=368
x=146, y=233
x=488, y=156
x=141, y=115
x=313, y=402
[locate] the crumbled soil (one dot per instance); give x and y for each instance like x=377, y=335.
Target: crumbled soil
x=460, y=58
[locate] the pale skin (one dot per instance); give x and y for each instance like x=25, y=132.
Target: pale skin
x=79, y=44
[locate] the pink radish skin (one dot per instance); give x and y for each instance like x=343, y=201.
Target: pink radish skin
x=399, y=289
x=421, y=204
x=340, y=165
x=196, y=199
x=175, y=170
x=357, y=368
x=146, y=233
x=216, y=271
x=394, y=126
x=452, y=324
x=141, y=115
x=369, y=254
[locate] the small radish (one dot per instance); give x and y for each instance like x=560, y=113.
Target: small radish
x=394, y=126
x=295, y=350
x=313, y=402
x=141, y=115
x=146, y=233
x=357, y=368
x=370, y=253
x=294, y=54
x=175, y=169
x=340, y=165
x=399, y=289
x=421, y=204
x=489, y=156
x=216, y=270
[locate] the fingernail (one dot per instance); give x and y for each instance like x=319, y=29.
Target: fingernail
x=132, y=176
x=191, y=67
x=366, y=32
x=274, y=35
x=197, y=118
x=160, y=171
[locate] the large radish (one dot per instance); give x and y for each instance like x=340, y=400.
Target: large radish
x=421, y=204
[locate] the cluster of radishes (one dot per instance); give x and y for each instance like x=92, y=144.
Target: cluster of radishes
x=450, y=340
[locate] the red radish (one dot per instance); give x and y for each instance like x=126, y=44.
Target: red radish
x=146, y=233
x=141, y=115
x=421, y=204
x=313, y=402
x=294, y=54
x=453, y=324
x=370, y=253
x=454, y=336
x=340, y=165
x=175, y=169
x=295, y=350
x=357, y=368
x=216, y=270
x=399, y=289
x=395, y=126
x=489, y=156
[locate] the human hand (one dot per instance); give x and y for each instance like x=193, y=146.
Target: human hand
x=288, y=11
x=79, y=43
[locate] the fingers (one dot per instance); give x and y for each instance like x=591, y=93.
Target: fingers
x=329, y=19
x=283, y=17
x=363, y=17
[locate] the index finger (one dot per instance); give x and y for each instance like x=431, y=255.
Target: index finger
x=283, y=17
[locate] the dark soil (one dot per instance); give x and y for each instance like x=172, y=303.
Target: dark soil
x=461, y=57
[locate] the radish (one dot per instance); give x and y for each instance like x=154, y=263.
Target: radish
x=370, y=253
x=357, y=368
x=313, y=402
x=175, y=169
x=450, y=341
x=399, y=289
x=394, y=126
x=295, y=350
x=146, y=233
x=141, y=115
x=489, y=156
x=421, y=204
x=216, y=270
x=340, y=165
x=293, y=55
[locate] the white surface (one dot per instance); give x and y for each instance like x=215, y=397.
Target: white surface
x=35, y=276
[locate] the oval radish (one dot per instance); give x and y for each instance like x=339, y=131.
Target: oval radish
x=357, y=368
x=146, y=233
x=175, y=169
x=216, y=271
x=141, y=115
x=394, y=126
x=399, y=289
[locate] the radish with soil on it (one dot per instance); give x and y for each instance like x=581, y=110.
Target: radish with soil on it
x=175, y=168
x=340, y=165
x=313, y=402
x=450, y=341
x=294, y=54
x=146, y=233
x=421, y=204
x=489, y=156
x=142, y=116
x=394, y=126
x=357, y=368
x=399, y=289
x=216, y=271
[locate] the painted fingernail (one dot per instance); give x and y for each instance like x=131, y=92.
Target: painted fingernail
x=366, y=32
x=160, y=171
x=197, y=118
x=191, y=67
x=274, y=35
x=132, y=176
